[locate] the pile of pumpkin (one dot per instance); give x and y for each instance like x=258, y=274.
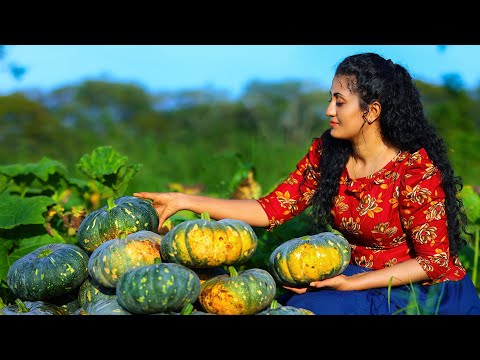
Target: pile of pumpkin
x=124, y=266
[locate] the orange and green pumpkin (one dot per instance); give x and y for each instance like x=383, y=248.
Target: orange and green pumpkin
x=276, y=308
x=52, y=270
x=161, y=287
x=204, y=243
x=238, y=293
x=299, y=261
x=113, y=258
x=125, y=215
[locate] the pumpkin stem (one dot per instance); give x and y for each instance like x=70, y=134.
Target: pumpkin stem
x=44, y=253
x=274, y=304
x=21, y=306
x=111, y=203
x=187, y=309
x=205, y=216
x=2, y=304
x=157, y=260
x=232, y=271
x=122, y=235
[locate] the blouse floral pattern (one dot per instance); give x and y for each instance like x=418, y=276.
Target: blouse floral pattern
x=393, y=215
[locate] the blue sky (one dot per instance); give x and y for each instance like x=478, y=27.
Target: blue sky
x=221, y=67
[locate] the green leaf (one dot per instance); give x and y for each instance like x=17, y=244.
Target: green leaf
x=107, y=167
x=125, y=174
x=4, y=180
x=471, y=203
x=41, y=170
x=100, y=162
x=4, y=263
x=15, y=210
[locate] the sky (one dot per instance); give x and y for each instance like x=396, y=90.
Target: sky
x=226, y=68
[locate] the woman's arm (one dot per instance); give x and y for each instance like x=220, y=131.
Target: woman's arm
x=404, y=273
x=168, y=203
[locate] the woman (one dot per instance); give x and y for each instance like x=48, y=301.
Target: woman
x=382, y=178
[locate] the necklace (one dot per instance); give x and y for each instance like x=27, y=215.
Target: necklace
x=374, y=162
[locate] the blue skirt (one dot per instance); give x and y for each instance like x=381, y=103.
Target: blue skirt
x=446, y=298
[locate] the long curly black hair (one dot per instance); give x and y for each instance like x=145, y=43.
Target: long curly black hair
x=403, y=124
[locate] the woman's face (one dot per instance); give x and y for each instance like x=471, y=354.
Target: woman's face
x=344, y=110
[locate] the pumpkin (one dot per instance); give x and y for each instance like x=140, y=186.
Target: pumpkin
x=238, y=293
x=91, y=291
x=204, y=243
x=31, y=308
x=104, y=307
x=161, y=287
x=125, y=215
x=49, y=271
x=113, y=258
x=276, y=308
x=299, y=261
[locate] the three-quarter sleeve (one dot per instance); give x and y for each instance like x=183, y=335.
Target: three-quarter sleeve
x=294, y=194
x=422, y=211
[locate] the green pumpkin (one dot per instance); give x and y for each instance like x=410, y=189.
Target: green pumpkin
x=91, y=291
x=104, y=307
x=244, y=293
x=125, y=215
x=161, y=287
x=113, y=258
x=203, y=243
x=299, y=261
x=49, y=271
x=32, y=308
x=276, y=308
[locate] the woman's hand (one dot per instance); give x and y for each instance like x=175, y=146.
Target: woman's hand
x=339, y=282
x=165, y=203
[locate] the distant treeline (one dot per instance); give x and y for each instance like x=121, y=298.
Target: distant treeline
x=199, y=136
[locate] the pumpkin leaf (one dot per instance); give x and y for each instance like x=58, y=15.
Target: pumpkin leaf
x=471, y=203
x=102, y=161
x=107, y=166
x=4, y=263
x=4, y=180
x=42, y=170
x=15, y=210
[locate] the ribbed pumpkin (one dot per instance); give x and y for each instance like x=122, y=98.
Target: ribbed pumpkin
x=113, y=258
x=49, y=271
x=276, y=308
x=104, y=307
x=244, y=293
x=299, y=261
x=205, y=243
x=91, y=291
x=161, y=287
x=125, y=215
x=32, y=308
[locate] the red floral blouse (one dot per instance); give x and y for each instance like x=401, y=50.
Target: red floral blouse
x=391, y=216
